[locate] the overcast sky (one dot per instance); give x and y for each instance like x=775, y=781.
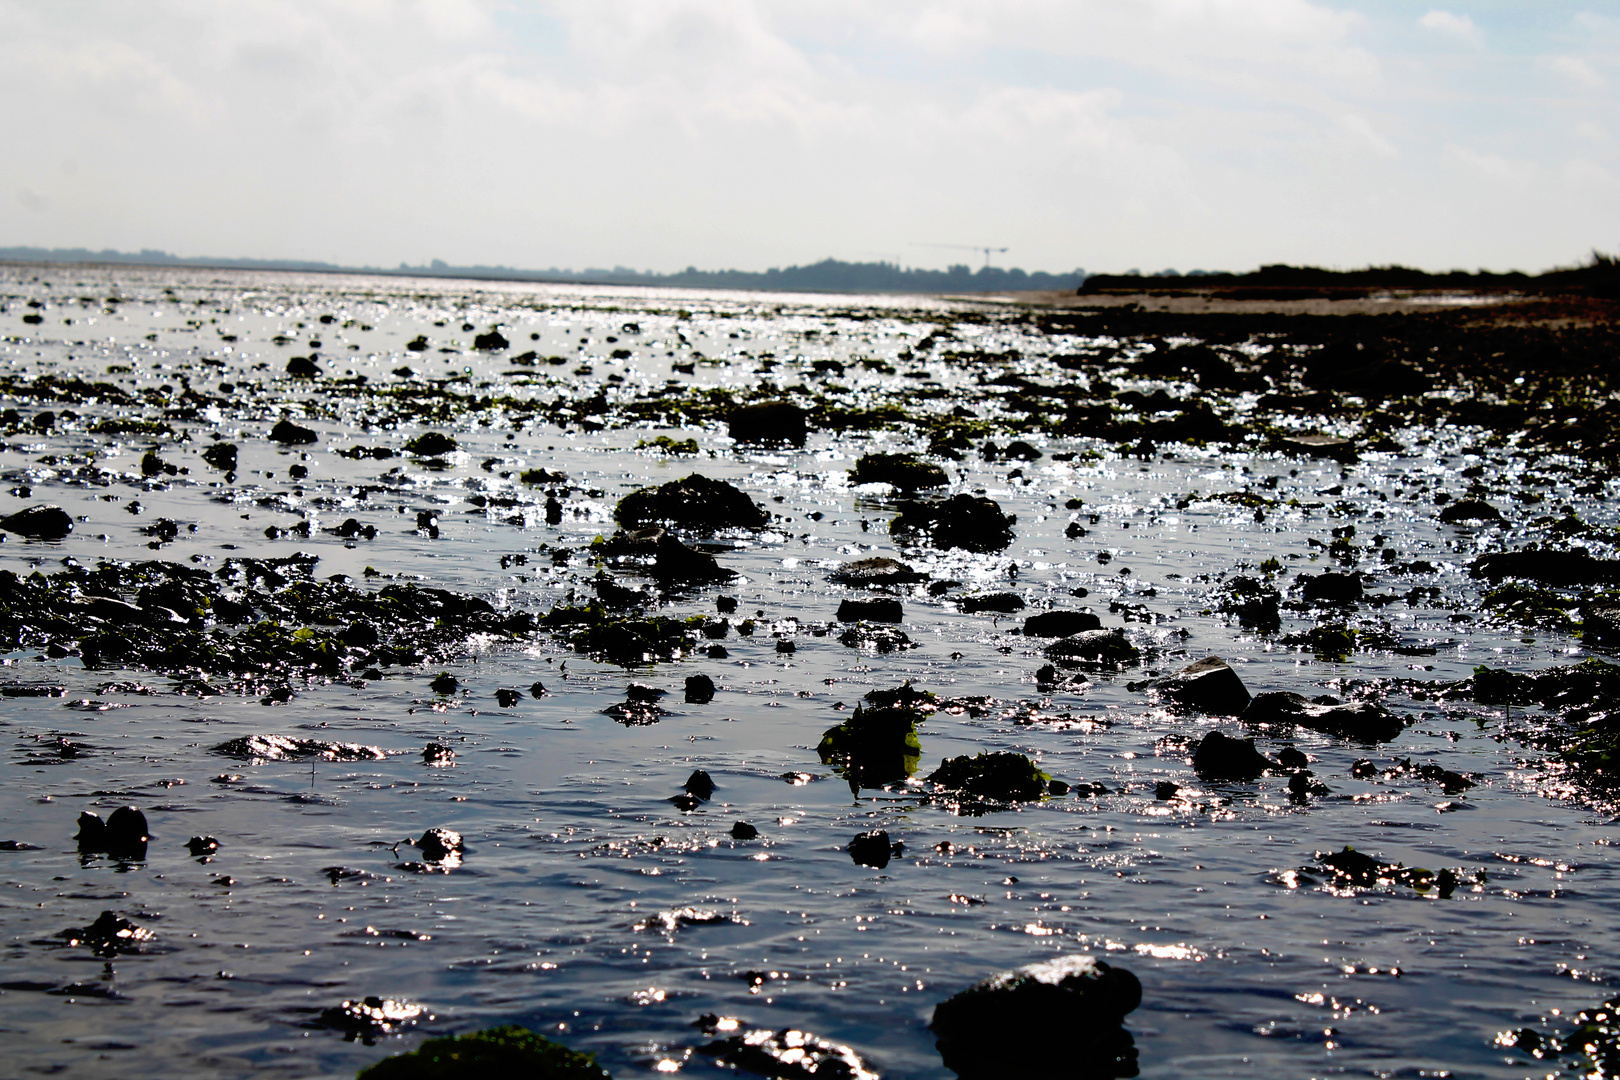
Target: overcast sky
x=1105, y=134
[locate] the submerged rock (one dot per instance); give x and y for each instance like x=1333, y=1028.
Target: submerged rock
x=1210, y=686
x=773, y=422
x=1220, y=757
x=872, y=610
x=1094, y=646
x=284, y=747
x=699, y=785
x=1060, y=624
x=201, y=846
x=1255, y=603
x=880, y=639
x=508, y=1051
x=110, y=935
x=741, y=830
x=1056, y=1020
x=44, y=522
x=788, y=1054
x=696, y=503
x=906, y=472
x=873, y=849
x=1362, y=721
x=366, y=1018
x=1000, y=777
x=969, y=522
x=875, y=571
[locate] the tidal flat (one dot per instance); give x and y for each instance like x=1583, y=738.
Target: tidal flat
x=431, y=732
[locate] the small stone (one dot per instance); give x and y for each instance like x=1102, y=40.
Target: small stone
x=437, y=844
x=291, y=434
x=202, y=845
x=872, y=849
x=1221, y=757
x=43, y=522
x=699, y=785
x=506, y=697
x=1210, y=686
x=743, y=831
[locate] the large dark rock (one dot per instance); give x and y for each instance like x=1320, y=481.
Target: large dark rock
x=1060, y=623
x=1094, y=646
x=1363, y=721
x=1056, y=1020
x=970, y=522
x=1001, y=777
x=430, y=444
x=1221, y=757
x=123, y=835
x=290, y=434
x=1469, y=510
x=877, y=570
x=1331, y=588
x=906, y=472
x=1210, y=686
x=773, y=422
x=42, y=522
x=790, y=1054
x=696, y=503
x=872, y=849
x=1002, y=603
x=884, y=610
x=490, y=341
x=874, y=747
x=699, y=689
x=1565, y=568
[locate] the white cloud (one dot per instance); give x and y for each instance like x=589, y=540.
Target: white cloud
x=1577, y=72
x=1460, y=27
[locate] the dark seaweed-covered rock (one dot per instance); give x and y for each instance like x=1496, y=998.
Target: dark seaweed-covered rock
x=1221, y=757
x=906, y=472
x=123, y=835
x=875, y=571
x=696, y=503
x=506, y=697
x=1002, y=603
x=1362, y=721
x=201, y=846
x=879, y=639
x=999, y=777
x=970, y=522
x=699, y=689
x=1210, y=686
x=430, y=444
x=1255, y=603
x=1600, y=622
x=444, y=683
x=1469, y=510
x=624, y=641
x=1060, y=1019
x=504, y=1051
x=222, y=456
x=1060, y=624
x=873, y=747
x=699, y=785
x=636, y=712
x=1094, y=646
x=873, y=610
x=1328, y=446
x=284, y=747
x=741, y=830
x=1331, y=588
x=110, y=935
x=1565, y=568
x=1593, y=1044
x=789, y=1054
x=290, y=434
x=773, y=422
x=303, y=367
x=438, y=754
x=1352, y=868
x=43, y=522
x=491, y=340
x=437, y=844
x=873, y=849
x=656, y=552
x=368, y=1017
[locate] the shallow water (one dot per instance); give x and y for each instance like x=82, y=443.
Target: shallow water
x=572, y=844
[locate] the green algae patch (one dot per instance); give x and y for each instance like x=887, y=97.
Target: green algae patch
x=605, y=636
x=502, y=1051
x=672, y=447
x=875, y=747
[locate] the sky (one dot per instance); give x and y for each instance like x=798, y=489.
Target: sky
x=657, y=134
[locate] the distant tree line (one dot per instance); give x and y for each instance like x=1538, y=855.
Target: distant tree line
x=829, y=275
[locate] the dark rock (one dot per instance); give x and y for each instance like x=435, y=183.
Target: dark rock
x=969, y=522
x=1469, y=510
x=360, y=634
x=1210, y=686
x=302, y=367
x=506, y=697
x=222, y=456
x=1291, y=758
x=1331, y=588
x=873, y=747
x=774, y=422
x=872, y=849
x=1060, y=624
x=1221, y=757
x=1094, y=646
x=490, y=341
x=1000, y=777
x=699, y=689
x=696, y=503
x=906, y=472
x=437, y=754
x=123, y=835
x=370, y=1017
x=880, y=639
x=1328, y=446
x=430, y=444
x=1562, y=568
x=1165, y=790
x=875, y=571
x=1255, y=603
x=658, y=553
x=438, y=845
x=43, y=522
x=19, y=845
x=685, y=802
x=290, y=434
x=538, y=690
x=1019, y=450
x=725, y=605
x=873, y=610
x=1600, y=622
x=789, y=1054
x=1363, y=721
x=636, y=713
x=202, y=845
x=699, y=785
x=1003, y=603
x=483, y=1055
x=743, y=831
x=109, y=936
x=444, y=683
x=1056, y=1020
x=285, y=747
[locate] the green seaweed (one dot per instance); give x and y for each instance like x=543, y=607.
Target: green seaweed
x=507, y=1051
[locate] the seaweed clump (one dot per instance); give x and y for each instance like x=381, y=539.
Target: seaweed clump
x=509, y=1050
x=875, y=747
x=997, y=778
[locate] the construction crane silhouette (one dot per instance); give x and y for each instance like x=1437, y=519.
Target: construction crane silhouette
x=988, y=251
